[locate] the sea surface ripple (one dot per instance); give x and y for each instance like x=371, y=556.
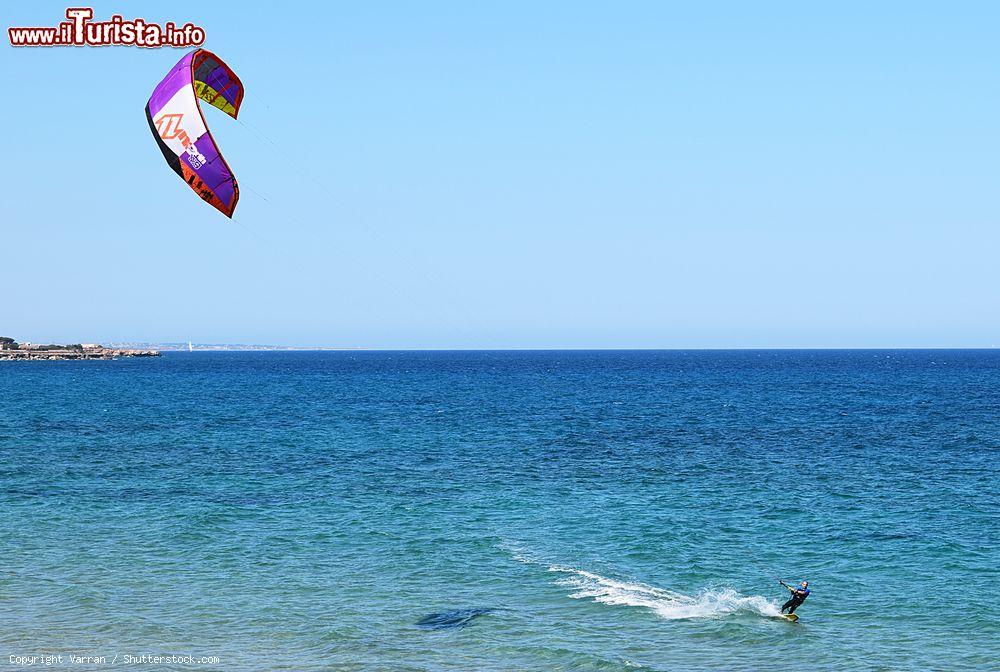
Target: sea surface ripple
x=446, y=511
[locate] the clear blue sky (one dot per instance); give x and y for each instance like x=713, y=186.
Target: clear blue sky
x=482, y=175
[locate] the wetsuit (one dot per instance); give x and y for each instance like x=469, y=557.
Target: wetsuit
x=799, y=596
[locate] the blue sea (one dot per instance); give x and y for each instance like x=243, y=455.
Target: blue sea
x=515, y=511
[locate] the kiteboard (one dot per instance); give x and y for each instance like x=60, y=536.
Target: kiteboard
x=791, y=618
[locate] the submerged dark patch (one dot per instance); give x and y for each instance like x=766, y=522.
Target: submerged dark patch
x=457, y=618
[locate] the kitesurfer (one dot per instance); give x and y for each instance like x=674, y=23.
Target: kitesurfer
x=799, y=595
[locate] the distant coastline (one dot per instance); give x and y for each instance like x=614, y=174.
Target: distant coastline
x=11, y=350
x=223, y=347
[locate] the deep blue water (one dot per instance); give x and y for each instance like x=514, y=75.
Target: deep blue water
x=504, y=510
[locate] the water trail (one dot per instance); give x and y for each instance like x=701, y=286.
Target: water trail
x=668, y=604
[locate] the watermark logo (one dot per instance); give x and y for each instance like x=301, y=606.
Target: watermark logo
x=80, y=30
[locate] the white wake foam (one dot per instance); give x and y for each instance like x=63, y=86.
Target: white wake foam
x=667, y=604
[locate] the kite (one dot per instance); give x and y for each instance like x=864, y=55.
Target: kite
x=175, y=119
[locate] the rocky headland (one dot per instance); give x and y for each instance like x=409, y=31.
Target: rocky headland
x=12, y=350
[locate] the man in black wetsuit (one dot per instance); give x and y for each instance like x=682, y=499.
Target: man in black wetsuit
x=799, y=596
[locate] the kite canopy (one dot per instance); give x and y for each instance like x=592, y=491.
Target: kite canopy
x=175, y=119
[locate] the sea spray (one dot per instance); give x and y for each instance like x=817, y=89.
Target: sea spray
x=668, y=604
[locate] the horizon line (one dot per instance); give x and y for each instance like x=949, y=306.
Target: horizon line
x=238, y=347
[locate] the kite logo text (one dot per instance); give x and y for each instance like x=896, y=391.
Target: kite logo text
x=195, y=158
x=169, y=126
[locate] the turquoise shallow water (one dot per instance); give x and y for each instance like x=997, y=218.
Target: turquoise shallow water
x=504, y=511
